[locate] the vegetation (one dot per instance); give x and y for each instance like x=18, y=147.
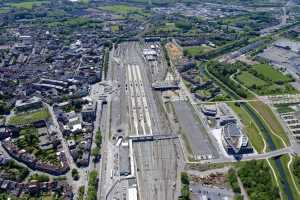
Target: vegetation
x=39, y=177
x=270, y=118
x=231, y=46
x=223, y=72
x=264, y=129
x=125, y=10
x=285, y=159
x=4, y=109
x=96, y=152
x=27, y=5
x=29, y=117
x=98, y=138
x=195, y=50
x=75, y=174
x=250, y=22
x=249, y=126
x=250, y=81
x=263, y=79
x=263, y=187
x=268, y=72
x=92, y=185
x=233, y=181
x=185, y=190
x=284, y=108
x=29, y=140
x=80, y=193
x=296, y=169
x=14, y=171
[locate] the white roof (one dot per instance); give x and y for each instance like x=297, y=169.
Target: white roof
x=76, y=127
x=132, y=193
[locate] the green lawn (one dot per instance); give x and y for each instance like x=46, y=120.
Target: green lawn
x=249, y=80
x=272, y=121
x=29, y=117
x=196, y=50
x=271, y=73
x=125, y=10
x=284, y=160
x=27, y=5
x=250, y=127
x=284, y=108
x=264, y=80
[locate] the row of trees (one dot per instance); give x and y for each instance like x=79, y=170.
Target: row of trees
x=233, y=181
x=96, y=151
x=92, y=186
x=185, y=186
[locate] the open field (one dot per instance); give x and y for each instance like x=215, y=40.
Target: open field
x=125, y=10
x=196, y=50
x=269, y=72
x=27, y=5
x=168, y=27
x=250, y=127
x=271, y=120
x=29, y=117
x=249, y=80
x=265, y=80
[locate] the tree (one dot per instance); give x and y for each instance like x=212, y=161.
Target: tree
x=40, y=177
x=92, y=185
x=75, y=174
x=185, y=189
x=185, y=178
x=96, y=153
x=98, y=138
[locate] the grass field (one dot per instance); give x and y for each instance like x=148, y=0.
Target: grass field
x=249, y=80
x=125, y=10
x=196, y=50
x=250, y=127
x=29, y=117
x=264, y=80
x=271, y=73
x=27, y=5
x=272, y=121
x=284, y=160
x=168, y=27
